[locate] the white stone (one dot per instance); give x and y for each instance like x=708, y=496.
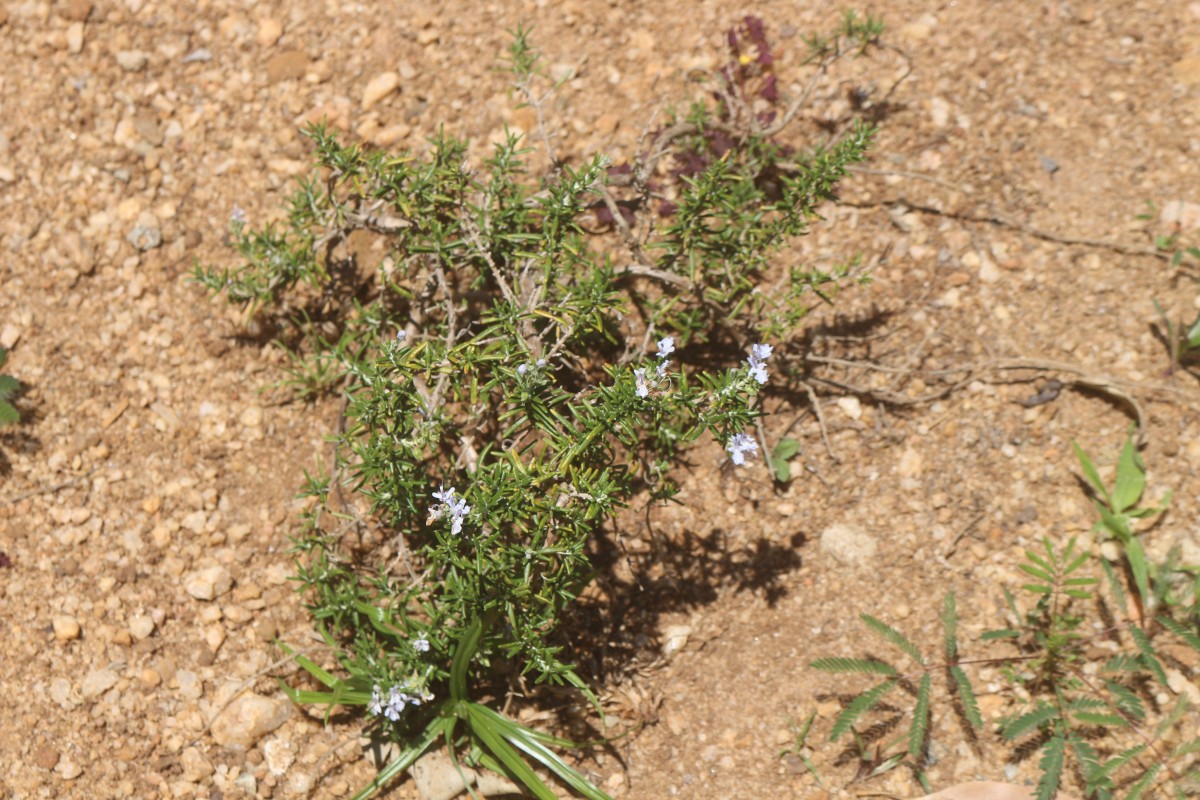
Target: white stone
x=848, y=544
x=208, y=583
x=98, y=681
x=850, y=406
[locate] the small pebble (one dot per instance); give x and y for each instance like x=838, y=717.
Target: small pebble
x=378, y=88
x=141, y=626
x=66, y=628
x=132, y=60
x=98, y=681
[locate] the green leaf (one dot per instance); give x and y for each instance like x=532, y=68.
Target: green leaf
x=1040, y=574
x=920, y=724
x=865, y=666
x=532, y=743
x=1189, y=637
x=1030, y=721
x=1003, y=633
x=859, y=706
x=1186, y=748
x=1131, y=478
x=402, y=762
x=484, y=728
x=781, y=469
x=786, y=449
x=1138, y=789
x=1090, y=473
x=463, y=653
x=894, y=636
x=8, y=386
x=1126, y=699
x=1115, y=587
x=1051, y=765
x=1105, y=720
x=1139, y=567
x=967, y=695
x=8, y=413
x=1147, y=650
x=950, y=628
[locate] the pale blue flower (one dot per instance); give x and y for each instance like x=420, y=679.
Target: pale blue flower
x=376, y=704
x=521, y=370
x=666, y=346
x=738, y=445
x=642, y=388
x=421, y=644
x=761, y=351
x=401, y=335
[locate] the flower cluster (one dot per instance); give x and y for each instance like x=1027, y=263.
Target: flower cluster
x=523, y=370
x=397, y=699
x=759, y=354
x=738, y=445
x=643, y=383
x=455, y=507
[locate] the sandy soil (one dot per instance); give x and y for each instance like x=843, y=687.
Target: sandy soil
x=152, y=466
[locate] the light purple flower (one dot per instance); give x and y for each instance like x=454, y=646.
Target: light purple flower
x=521, y=370
x=376, y=704
x=761, y=351
x=738, y=445
x=758, y=370
x=238, y=215
x=457, y=508
x=421, y=644
x=666, y=346
x=639, y=377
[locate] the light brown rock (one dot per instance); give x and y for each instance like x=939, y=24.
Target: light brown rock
x=248, y=719
x=378, y=88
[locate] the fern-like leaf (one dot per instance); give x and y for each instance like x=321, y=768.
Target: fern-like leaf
x=1147, y=650
x=1143, y=783
x=950, y=628
x=1115, y=588
x=894, y=636
x=1126, y=700
x=863, y=666
x=1187, y=747
x=1019, y=726
x=1051, y=766
x=1098, y=784
x=859, y=706
x=1103, y=720
x=967, y=695
x=1123, y=662
x=920, y=725
x=1172, y=719
x=1189, y=637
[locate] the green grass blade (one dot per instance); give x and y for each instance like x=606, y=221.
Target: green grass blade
x=859, y=706
x=530, y=742
x=864, y=666
x=483, y=728
x=401, y=763
x=920, y=724
x=894, y=636
x=463, y=653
